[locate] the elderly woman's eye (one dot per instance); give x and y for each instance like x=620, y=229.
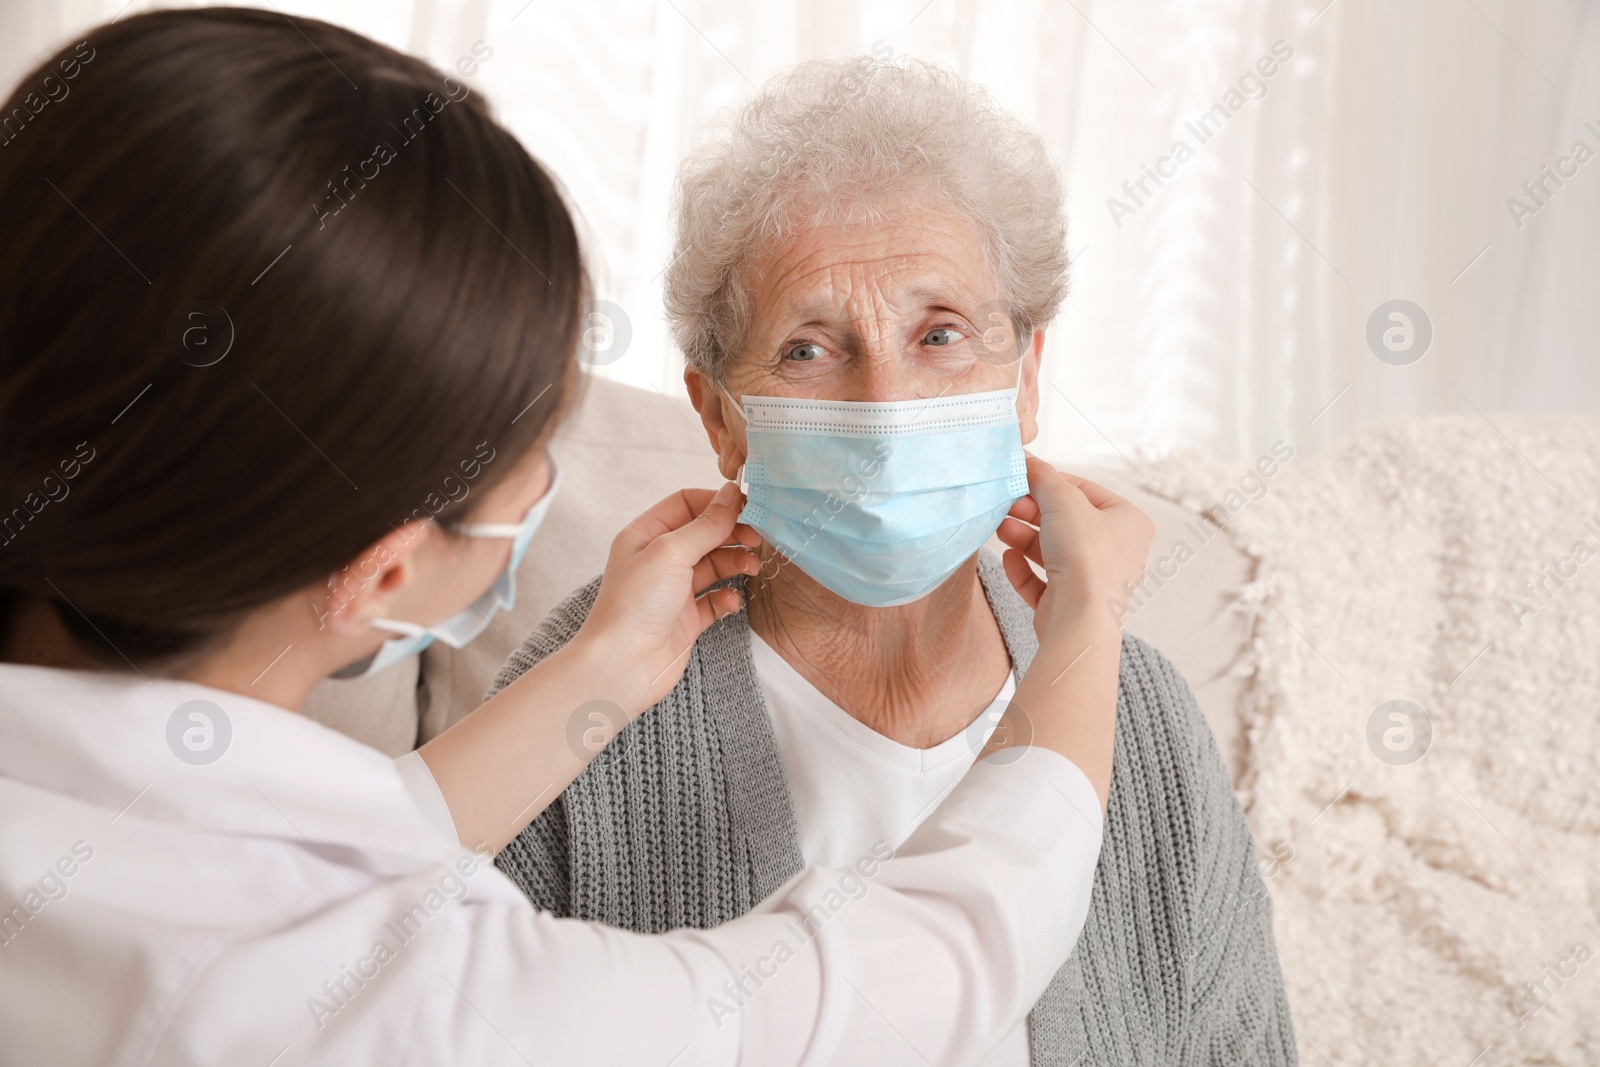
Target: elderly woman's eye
x=941, y=336
x=802, y=353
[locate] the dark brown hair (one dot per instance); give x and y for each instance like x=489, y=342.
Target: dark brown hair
x=266, y=288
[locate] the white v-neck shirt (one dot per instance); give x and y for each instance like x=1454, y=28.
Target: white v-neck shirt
x=856, y=792
x=852, y=787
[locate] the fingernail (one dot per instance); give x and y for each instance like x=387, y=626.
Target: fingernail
x=727, y=494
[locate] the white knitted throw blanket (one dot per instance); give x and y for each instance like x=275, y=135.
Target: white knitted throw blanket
x=1442, y=909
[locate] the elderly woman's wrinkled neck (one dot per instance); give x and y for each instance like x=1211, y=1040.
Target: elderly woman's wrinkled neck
x=918, y=673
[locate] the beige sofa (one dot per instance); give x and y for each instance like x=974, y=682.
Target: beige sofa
x=625, y=449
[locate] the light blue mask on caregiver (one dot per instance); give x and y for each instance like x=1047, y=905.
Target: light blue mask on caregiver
x=459, y=629
x=881, y=502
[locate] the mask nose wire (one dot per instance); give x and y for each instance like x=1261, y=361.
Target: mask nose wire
x=737, y=405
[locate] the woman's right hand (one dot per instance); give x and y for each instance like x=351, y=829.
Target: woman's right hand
x=502, y=765
x=653, y=603
x=1091, y=543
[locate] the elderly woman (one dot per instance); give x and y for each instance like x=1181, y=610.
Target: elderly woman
x=866, y=265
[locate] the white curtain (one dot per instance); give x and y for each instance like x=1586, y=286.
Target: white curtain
x=1226, y=307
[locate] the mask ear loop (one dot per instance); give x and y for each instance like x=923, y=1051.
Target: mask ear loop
x=1016, y=384
x=399, y=626
x=744, y=486
x=1010, y=328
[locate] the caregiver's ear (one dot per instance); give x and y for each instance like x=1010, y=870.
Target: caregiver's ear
x=360, y=591
x=1028, y=388
x=723, y=427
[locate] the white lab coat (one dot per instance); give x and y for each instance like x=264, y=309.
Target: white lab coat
x=291, y=903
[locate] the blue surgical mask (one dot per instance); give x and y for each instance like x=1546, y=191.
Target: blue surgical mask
x=459, y=629
x=881, y=502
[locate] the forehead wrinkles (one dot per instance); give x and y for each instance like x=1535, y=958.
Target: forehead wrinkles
x=859, y=278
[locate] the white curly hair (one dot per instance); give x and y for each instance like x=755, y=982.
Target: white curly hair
x=862, y=137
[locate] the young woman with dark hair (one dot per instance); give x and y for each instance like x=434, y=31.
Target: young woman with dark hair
x=286, y=321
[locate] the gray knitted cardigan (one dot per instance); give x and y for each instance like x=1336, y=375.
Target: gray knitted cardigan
x=685, y=820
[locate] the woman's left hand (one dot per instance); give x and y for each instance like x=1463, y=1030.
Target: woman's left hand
x=650, y=610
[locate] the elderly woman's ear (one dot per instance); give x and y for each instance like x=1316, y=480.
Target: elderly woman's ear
x=723, y=425
x=1028, y=389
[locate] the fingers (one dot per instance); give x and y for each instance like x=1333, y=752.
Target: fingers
x=1026, y=509
x=715, y=605
x=724, y=563
x=1051, y=492
x=690, y=522
x=709, y=530
x=747, y=536
x=1046, y=479
x=1098, y=495
x=725, y=602
x=668, y=514
x=1019, y=535
x=1027, y=584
